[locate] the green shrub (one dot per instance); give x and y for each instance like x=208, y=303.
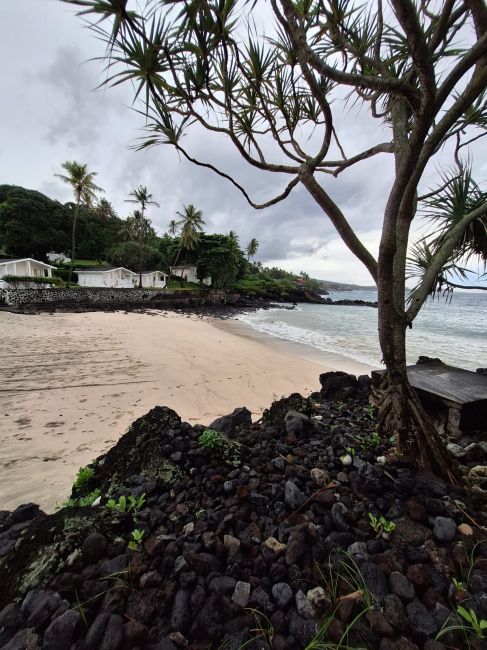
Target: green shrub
x=87, y=500
x=229, y=449
x=35, y=279
x=83, y=476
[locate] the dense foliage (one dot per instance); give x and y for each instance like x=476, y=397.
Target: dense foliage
x=32, y=225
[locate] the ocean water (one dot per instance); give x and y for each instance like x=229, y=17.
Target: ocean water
x=455, y=331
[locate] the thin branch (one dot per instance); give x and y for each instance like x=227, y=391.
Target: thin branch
x=384, y=147
x=258, y=206
x=423, y=197
x=469, y=59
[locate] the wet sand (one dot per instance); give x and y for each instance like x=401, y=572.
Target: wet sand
x=71, y=384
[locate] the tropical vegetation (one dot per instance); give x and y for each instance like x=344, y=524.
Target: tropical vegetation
x=85, y=190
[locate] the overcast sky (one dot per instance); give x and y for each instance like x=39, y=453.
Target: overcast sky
x=50, y=112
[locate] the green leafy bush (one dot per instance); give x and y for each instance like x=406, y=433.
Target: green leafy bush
x=83, y=476
x=35, y=279
x=87, y=500
x=229, y=449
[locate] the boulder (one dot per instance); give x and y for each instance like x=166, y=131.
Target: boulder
x=240, y=417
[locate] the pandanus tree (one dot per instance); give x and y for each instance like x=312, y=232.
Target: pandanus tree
x=277, y=91
x=252, y=248
x=85, y=191
x=138, y=229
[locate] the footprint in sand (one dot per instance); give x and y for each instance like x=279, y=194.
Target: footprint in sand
x=50, y=458
x=51, y=425
x=23, y=421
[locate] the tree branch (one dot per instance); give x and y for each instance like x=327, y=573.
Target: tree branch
x=258, y=206
x=385, y=147
x=390, y=85
x=338, y=219
x=439, y=260
x=407, y=14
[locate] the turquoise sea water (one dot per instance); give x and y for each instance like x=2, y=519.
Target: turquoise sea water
x=456, y=331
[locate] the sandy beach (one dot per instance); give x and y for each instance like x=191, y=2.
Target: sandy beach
x=71, y=384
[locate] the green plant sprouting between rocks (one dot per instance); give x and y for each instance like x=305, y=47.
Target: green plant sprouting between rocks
x=136, y=541
x=87, y=500
x=381, y=525
x=370, y=441
x=127, y=504
x=351, y=451
x=84, y=475
x=218, y=441
x=348, y=573
x=472, y=624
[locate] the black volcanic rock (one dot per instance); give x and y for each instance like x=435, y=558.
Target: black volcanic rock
x=228, y=547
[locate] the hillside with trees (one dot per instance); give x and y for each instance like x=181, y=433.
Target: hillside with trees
x=32, y=225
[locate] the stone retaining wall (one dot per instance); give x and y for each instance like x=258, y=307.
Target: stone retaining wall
x=100, y=298
x=85, y=295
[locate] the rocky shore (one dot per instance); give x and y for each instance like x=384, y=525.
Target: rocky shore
x=209, y=303
x=301, y=530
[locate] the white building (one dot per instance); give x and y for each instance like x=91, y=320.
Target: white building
x=112, y=277
x=119, y=277
x=25, y=266
x=156, y=279
x=188, y=274
x=58, y=257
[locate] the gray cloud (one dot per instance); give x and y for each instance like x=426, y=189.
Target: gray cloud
x=50, y=113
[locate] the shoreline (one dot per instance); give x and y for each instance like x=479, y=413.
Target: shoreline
x=73, y=382
x=302, y=351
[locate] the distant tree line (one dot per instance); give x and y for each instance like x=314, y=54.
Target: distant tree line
x=32, y=225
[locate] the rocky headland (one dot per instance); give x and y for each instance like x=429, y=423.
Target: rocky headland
x=301, y=530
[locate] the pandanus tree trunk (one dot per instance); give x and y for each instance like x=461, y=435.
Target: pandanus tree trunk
x=400, y=410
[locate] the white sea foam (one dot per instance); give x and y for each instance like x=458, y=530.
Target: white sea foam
x=455, y=332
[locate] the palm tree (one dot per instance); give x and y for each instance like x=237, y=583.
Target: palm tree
x=84, y=188
x=252, y=248
x=105, y=210
x=173, y=227
x=141, y=196
x=191, y=224
x=138, y=228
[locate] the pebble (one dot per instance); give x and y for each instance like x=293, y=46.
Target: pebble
x=465, y=529
x=241, y=593
x=303, y=605
x=293, y=496
x=274, y=545
x=282, y=594
x=444, y=529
